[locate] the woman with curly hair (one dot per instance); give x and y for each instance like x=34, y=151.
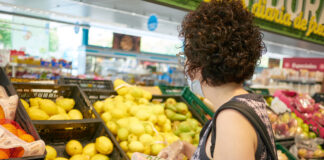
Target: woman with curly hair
x=222, y=46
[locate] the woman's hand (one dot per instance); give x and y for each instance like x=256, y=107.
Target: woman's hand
x=173, y=151
x=177, y=151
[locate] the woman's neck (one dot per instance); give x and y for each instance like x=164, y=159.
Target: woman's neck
x=218, y=95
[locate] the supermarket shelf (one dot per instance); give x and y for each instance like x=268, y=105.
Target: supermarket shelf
x=35, y=66
x=298, y=81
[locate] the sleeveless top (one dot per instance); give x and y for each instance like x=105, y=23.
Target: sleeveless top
x=259, y=106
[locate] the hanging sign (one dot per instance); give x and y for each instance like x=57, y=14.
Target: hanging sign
x=302, y=19
x=77, y=28
x=311, y=64
x=152, y=23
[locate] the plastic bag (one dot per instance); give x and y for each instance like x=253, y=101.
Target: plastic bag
x=305, y=104
x=11, y=141
x=308, y=148
x=141, y=156
x=9, y=107
x=3, y=93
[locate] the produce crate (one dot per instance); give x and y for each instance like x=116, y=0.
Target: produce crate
x=261, y=91
x=196, y=103
x=89, y=83
x=21, y=117
x=285, y=151
x=94, y=96
x=319, y=98
x=84, y=133
x=27, y=90
x=171, y=90
x=28, y=80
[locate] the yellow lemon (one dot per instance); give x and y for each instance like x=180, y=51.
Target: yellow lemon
x=73, y=147
x=104, y=145
x=51, y=152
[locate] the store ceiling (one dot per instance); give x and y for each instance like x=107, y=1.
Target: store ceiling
x=134, y=14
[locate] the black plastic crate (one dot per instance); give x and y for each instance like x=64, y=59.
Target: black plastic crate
x=27, y=90
x=89, y=83
x=94, y=96
x=21, y=117
x=319, y=98
x=84, y=132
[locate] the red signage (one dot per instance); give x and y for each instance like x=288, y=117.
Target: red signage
x=311, y=64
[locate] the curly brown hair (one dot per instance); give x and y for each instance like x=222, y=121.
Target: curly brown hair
x=222, y=42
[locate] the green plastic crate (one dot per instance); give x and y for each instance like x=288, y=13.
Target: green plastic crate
x=285, y=151
x=196, y=103
x=171, y=90
x=261, y=91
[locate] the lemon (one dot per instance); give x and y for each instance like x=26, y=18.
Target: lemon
x=123, y=123
x=136, y=92
x=156, y=148
x=158, y=109
x=48, y=106
x=118, y=113
x=25, y=104
x=132, y=137
x=142, y=115
x=136, y=146
x=147, y=150
x=108, y=106
x=59, y=117
x=148, y=129
x=122, y=134
x=104, y=145
x=34, y=101
x=79, y=157
x=123, y=91
x=75, y=114
x=129, y=155
x=66, y=103
x=51, y=152
x=146, y=139
x=119, y=98
x=161, y=119
x=143, y=101
x=99, y=157
x=37, y=114
x=118, y=82
x=89, y=149
x=61, y=110
x=137, y=128
x=129, y=97
x=147, y=95
x=98, y=106
x=73, y=147
x=124, y=145
x=106, y=117
x=167, y=127
x=153, y=119
x=61, y=158
x=112, y=126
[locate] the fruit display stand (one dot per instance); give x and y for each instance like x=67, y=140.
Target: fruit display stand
x=89, y=83
x=21, y=116
x=286, y=97
x=196, y=103
x=58, y=132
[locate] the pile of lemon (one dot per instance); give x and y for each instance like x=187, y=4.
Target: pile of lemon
x=46, y=109
x=92, y=151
